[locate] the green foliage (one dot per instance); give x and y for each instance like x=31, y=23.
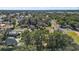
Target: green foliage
x=65, y=19
x=15, y=22
x=59, y=41
x=36, y=37
x=55, y=41
x=74, y=36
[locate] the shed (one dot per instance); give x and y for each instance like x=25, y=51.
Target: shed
x=12, y=33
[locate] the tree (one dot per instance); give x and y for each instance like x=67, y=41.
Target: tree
x=15, y=22
x=59, y=41
x=40, y=37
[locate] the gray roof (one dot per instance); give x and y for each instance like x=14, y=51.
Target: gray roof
x=11, y=38
x=10, y=41
x=12, y=33
x=1, y=20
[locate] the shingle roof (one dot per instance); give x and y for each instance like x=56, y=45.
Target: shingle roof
x=1, y=20
x=10, y=41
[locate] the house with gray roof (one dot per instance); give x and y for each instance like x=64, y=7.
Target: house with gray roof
x=11, y=41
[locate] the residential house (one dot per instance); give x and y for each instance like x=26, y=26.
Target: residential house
x=11, y=41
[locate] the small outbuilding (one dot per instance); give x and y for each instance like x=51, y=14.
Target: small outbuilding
x=13, y=34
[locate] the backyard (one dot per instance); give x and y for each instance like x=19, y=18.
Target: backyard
x=74, y=35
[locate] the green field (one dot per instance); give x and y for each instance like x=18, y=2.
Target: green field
x=74, y=36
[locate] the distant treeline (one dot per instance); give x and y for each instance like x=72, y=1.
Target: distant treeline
x=29, y=11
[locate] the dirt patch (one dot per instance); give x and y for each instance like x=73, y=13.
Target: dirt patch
x=77, y=33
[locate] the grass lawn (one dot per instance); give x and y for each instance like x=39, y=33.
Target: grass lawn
x=75, y=36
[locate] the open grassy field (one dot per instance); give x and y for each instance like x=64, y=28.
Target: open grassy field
x=74, y=35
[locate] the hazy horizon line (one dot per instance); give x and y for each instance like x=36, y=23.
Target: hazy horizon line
x=39, y=8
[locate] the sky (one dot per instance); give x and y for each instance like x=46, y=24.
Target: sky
x=39, y=4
